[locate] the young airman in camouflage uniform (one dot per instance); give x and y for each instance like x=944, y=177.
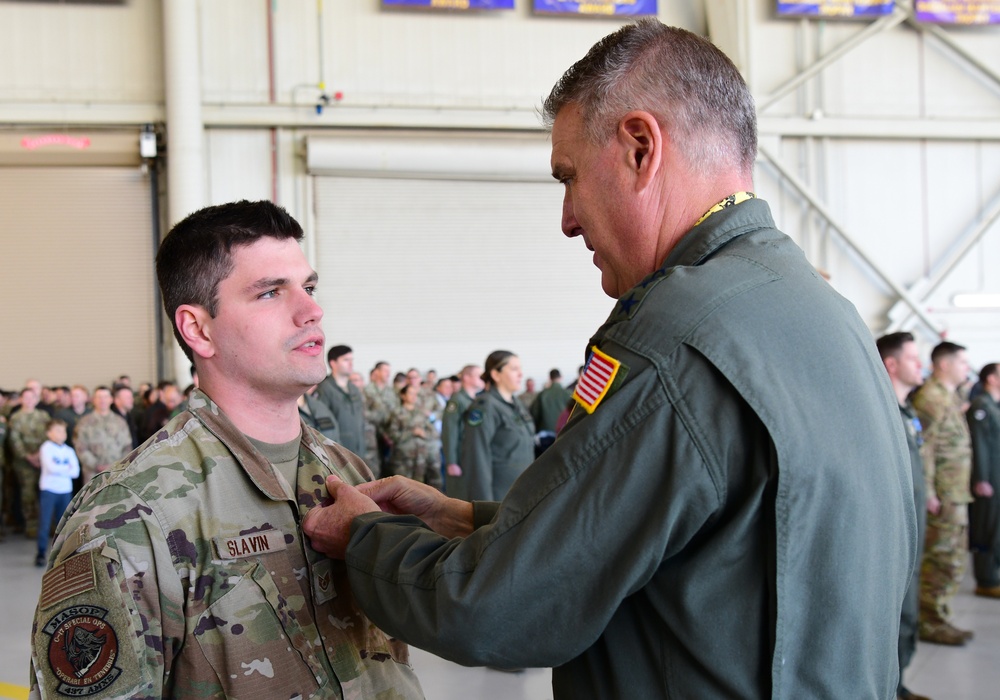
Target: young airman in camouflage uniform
x=182, y=571
x=947, y=456
x=26, y=434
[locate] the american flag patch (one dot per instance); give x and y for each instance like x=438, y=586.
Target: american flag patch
x=597, y=378
x=73, y=576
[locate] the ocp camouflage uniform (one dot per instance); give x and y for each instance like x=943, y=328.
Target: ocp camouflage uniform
x=451, y=442
x=27, y=433
x=380, y=402
x=413, y=456
x=100, y=441
x=984, y=513
x=947, y=458
x=182, y=572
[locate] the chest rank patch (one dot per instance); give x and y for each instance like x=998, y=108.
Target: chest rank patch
x=83, y=649
x=598, y=375
x=250, y=545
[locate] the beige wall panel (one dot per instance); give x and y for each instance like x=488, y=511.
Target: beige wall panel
x=53, y=51
x=234, y=52
x=77, y=276
x=239, y=164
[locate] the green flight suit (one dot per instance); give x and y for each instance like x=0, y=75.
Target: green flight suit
x=548, y=406
x=984, y=513
x=452, y=423
x=318, y=416
x=348, y=407
x=910, y=616
x=716, y=528
x=498, y=444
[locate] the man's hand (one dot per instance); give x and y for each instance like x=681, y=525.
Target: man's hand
x=34, y=459
x=397, y=494
x=454, y=470
x=983, y=489
x=933, y=505
x=329, y=527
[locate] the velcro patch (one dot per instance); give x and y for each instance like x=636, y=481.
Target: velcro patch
x=73, y=576
x=249, y=545
x=82, y=650
x=598, y=375
x=474, y=417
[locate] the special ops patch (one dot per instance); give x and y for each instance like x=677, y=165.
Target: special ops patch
x=83, y=649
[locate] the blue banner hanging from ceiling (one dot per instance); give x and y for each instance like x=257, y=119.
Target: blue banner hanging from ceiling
x=836, y=9
x=630, y=8
x=957, y=11
x=452, y=4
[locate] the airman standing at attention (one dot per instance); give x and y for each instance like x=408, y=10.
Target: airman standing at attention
x=452, y=430
x=26, y=433
x=984, y=512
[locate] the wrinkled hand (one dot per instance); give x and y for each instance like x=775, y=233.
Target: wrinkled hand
x=34, y=459
x=329, y=527
x=454, y=470
x=983, y=489
x=398, y=495
x=933, y=505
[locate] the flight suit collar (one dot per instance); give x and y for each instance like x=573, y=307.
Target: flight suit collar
x=717, y=230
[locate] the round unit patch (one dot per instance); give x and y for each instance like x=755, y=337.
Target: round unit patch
x=83, y=649
x=475, y=417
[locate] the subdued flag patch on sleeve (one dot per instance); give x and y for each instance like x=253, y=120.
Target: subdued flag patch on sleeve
x=598, y=376
x=72, y=577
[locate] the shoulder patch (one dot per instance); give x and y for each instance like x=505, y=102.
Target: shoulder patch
x=979, y=415
x=451, y=407
x=475, y=417
x=82, y=650
x=598, y=376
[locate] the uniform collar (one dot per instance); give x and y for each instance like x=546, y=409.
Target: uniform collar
x=253, y=462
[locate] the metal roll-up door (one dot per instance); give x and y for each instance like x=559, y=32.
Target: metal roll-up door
x=77, y=275
x=437, y=273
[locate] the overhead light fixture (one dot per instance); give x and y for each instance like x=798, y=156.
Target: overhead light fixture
x=976, y=301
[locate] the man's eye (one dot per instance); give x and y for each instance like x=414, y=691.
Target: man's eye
x=269, y=294
x=311, y=290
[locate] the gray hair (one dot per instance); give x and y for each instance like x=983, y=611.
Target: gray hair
x=683, y=80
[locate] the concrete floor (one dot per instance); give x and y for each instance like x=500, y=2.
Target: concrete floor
x=944, y=673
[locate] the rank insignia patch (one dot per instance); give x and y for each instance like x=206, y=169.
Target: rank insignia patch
x=597, y=378
x=83, y=650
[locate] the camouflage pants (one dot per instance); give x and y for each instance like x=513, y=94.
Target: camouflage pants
x=422, y=468
x=27, y=479
x=945, y=559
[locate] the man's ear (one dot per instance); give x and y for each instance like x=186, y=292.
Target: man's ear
x=194, y=326
x=643, y=140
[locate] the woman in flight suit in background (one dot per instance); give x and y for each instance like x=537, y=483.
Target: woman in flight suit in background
x=499, y=439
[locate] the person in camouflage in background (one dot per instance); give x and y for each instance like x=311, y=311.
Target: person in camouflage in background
x=181, y=572
x=947, y=455
x=26, y=433
x=380, y=402
x=414, y=441
x=101, y=437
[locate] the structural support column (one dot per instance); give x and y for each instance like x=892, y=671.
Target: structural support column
x=185, y=128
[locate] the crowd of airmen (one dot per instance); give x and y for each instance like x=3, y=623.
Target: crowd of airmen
x=409, y=424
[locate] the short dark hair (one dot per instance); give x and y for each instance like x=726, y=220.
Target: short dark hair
x=102, y=387
x=196, y=255
x=988, y=371
x=891, y=344
x=555, y=375
x=54, y=422
x=682, y=79
x=119, y=387
x=945, y=349
x=336, y=352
